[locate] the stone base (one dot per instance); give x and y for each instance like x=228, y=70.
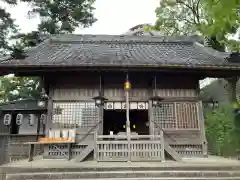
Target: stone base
x=191, y=168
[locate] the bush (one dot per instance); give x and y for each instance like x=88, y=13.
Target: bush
x=221, y=131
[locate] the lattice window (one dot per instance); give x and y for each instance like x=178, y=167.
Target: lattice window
x=187, y=115
x=179, y=115
x=164, y=115
x=177, y=92
x=74, y=114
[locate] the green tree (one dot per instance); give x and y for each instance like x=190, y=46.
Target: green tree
x=12, y=88
x=209, y=18
x=220, y=131
x=57, y=17
x=7, y=26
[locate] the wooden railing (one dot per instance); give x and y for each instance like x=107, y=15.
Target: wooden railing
x=183, y=150
x=142, y=148
x=161, y=130
x=89, y=132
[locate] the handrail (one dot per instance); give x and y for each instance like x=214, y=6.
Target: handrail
x=88, y=133
x=125, y=136
x=158, y=126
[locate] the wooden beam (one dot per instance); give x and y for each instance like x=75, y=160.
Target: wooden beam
x=50, y=110
x=217, y=72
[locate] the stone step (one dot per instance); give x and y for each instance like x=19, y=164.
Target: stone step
x=183, y=167
x=162, y=178
x=122, y=174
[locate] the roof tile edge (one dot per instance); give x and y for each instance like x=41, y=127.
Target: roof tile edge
x=122, y=38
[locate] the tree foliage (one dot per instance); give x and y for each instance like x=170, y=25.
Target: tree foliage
x=12, y=88
x=221, y=132
x=216, y=20
x=7, y=26
x=57, y=17
x=209, y=18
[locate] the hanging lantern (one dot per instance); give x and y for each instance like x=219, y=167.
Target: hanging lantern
x=42, y=102
x=127, y=85
x=7, y=119
x=156, y=100
x=31, y=119
x=19, y=119
x=99, y=100
x=43, y=118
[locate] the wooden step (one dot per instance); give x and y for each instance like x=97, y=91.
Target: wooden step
x=172, y=152
x=85, y=153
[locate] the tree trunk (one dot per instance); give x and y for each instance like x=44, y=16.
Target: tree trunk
x=232, y=95
x=231, y=88
x=232, y=84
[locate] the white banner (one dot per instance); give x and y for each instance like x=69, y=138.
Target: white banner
x=122, y=105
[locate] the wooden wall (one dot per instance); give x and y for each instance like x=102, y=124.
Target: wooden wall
x=187, y=134
x=12, y=145
x=85, y=87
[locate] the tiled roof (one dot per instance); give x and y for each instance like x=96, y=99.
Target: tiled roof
x=26, y=104
x=124, y=50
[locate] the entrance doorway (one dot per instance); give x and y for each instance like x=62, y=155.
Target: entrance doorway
x=115, y=121
x=14, y=128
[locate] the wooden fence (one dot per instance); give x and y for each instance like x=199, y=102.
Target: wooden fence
x=135, y=148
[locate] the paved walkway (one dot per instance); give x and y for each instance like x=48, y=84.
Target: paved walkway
x=40, y=163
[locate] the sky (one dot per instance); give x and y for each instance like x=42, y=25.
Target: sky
x=114, y=16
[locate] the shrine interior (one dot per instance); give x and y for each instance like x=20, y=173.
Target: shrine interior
x=115, y=121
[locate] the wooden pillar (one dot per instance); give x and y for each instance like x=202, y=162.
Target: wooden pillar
x=98, y=131
x=49, y=118
x=99, y=127
x=150, y=107
x=127, y=87
x=128, y=126
x=162, y=145
x=151, y=118
x=202, y=129
x=49, y=110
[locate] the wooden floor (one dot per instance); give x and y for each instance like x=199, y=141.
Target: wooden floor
x=198, y=162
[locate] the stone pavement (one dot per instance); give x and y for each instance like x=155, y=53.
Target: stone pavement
x=40, y=163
